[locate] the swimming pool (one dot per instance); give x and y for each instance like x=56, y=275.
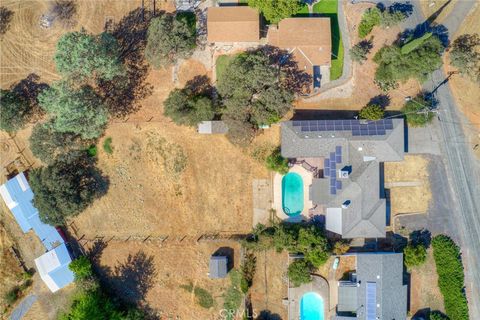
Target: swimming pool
x=311, y=307
x=292, y=194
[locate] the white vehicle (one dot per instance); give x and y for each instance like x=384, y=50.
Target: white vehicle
x=335, y=263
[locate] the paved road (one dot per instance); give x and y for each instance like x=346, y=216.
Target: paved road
x=23, y=307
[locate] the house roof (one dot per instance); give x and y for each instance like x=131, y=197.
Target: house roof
x=18, y=197
x=218, y=267
x=233, y=24
x=354, y=203
x=381, y=274
x=53, y=268
x=308, y=39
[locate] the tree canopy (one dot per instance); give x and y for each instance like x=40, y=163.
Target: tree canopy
x=185, y=107
x=47, y=144
x=75, y=110
x=252, y=90
x=417, y=112
x=359, y=51
x=169, y=38
x=83, y=56
x=15, y=111
x=276, y=10
x=299, y=272
x=414, y=255
x=393, y=66
x=65, y=188
x=372, y=112
x=386, y=17
x=465, y=56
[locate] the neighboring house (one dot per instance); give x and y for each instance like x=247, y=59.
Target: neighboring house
x=218, y=267
x=212, y=127
x=233, y=24
x=376, y=289
x=53, y=268
x=348, y=187
x=18, y=197
x=309, y=41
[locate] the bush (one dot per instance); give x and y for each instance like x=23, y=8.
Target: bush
x=417, y=112
x=414, y=255
x=340, y=247
x=274, y=11
x=204, y=298
x=81, y=268
x=12, y=295
x=450, y=276
x=299, y=272
x=248, y=271
x=370, y=18
x=372, y=112
x=276, y=162
x=107, y=145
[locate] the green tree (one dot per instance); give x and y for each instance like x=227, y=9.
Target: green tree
x=185, y=107
x=370, y=18
x=252, y=90
x=92, y=305
x=415, y=43
x=372, y=112
x=359, y=51
x=391, y=18
x=417, y=112
x=81, y=268
x=82, y=56
x=437, y=315
x=65, y=188
x=169, y=38
x=47, y=144
x=299, y=272
x=465, y=56
x=15, y=111
x=450, y=277
x=414, y=255
x=393, y=66
x=313, y=244
x=79, y=111
x=276, y=10
x=276, y=162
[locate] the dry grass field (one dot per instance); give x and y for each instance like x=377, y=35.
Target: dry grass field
x=444, y=7
x=413, y=198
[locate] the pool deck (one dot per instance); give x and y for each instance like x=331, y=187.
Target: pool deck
x=318, y=285
x=307, y=178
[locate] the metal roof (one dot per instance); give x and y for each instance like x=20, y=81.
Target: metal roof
x=211, y=127
x=18, y=196
x=218, y=267
x=53, y=268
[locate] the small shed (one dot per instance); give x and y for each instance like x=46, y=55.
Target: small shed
x=212, y=127
x=53, y=268
x=218, y=267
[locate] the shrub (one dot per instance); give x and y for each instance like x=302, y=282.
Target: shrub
x=437, y=315
x=359, y=51
x=274, y=11
x=204, y=298
x=414, y=255
x=450, y=276
x=340, y=247
x=417, y=112
x=107, y=145
x=233, y=296
x=299, y=272
x=370, y=18
x=372, y=112
x=415, y=43
x=12, y=295
x=81, y=268
x=248, y=270
x=92, y=151
x=276, y=162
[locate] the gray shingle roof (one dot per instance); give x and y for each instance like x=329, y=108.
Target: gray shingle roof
x=366, y=214
x=386, y=271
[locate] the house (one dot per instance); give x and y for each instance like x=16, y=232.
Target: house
x=309, y=41
x=233, y=24
x=348, y=183
x=212, y=127
x=218, y=267
x=53, y=268
x=375, y=290
x=18, y=197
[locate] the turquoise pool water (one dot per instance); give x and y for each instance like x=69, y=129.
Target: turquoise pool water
x=311, y=307
x=292, y=194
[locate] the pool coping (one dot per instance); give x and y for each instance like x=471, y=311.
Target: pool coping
x=318, y=285
x=307, y=178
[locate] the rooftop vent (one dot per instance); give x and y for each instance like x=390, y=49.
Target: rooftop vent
x=343, y=174
x=346, y=204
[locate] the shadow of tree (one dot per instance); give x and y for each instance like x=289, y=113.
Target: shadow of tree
x=6, y=16
x=135, y=277
x=200, y=85
x=268, y=315
x=423, y=237
x=123, y=93
x=29, y=89
x=381, y=100
x=296, y=80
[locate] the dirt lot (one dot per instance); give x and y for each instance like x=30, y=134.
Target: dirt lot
x=270, y=285
x=361, y=88
x=440, y=7
x=155, y=273
x=424, y=292
x=468, y=103
x=409, y=185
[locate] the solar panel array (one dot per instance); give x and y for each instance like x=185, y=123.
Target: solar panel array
x=330, y=169
x=356, y=127
x=371, y=310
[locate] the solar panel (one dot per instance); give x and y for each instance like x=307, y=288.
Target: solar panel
x=326, y=172
x=333, y=181
x=338, y=150
x=332, y=157
x=357, y=127
x=371, y=297
x=297, y=123
x=333, y=190
x=339, y=185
